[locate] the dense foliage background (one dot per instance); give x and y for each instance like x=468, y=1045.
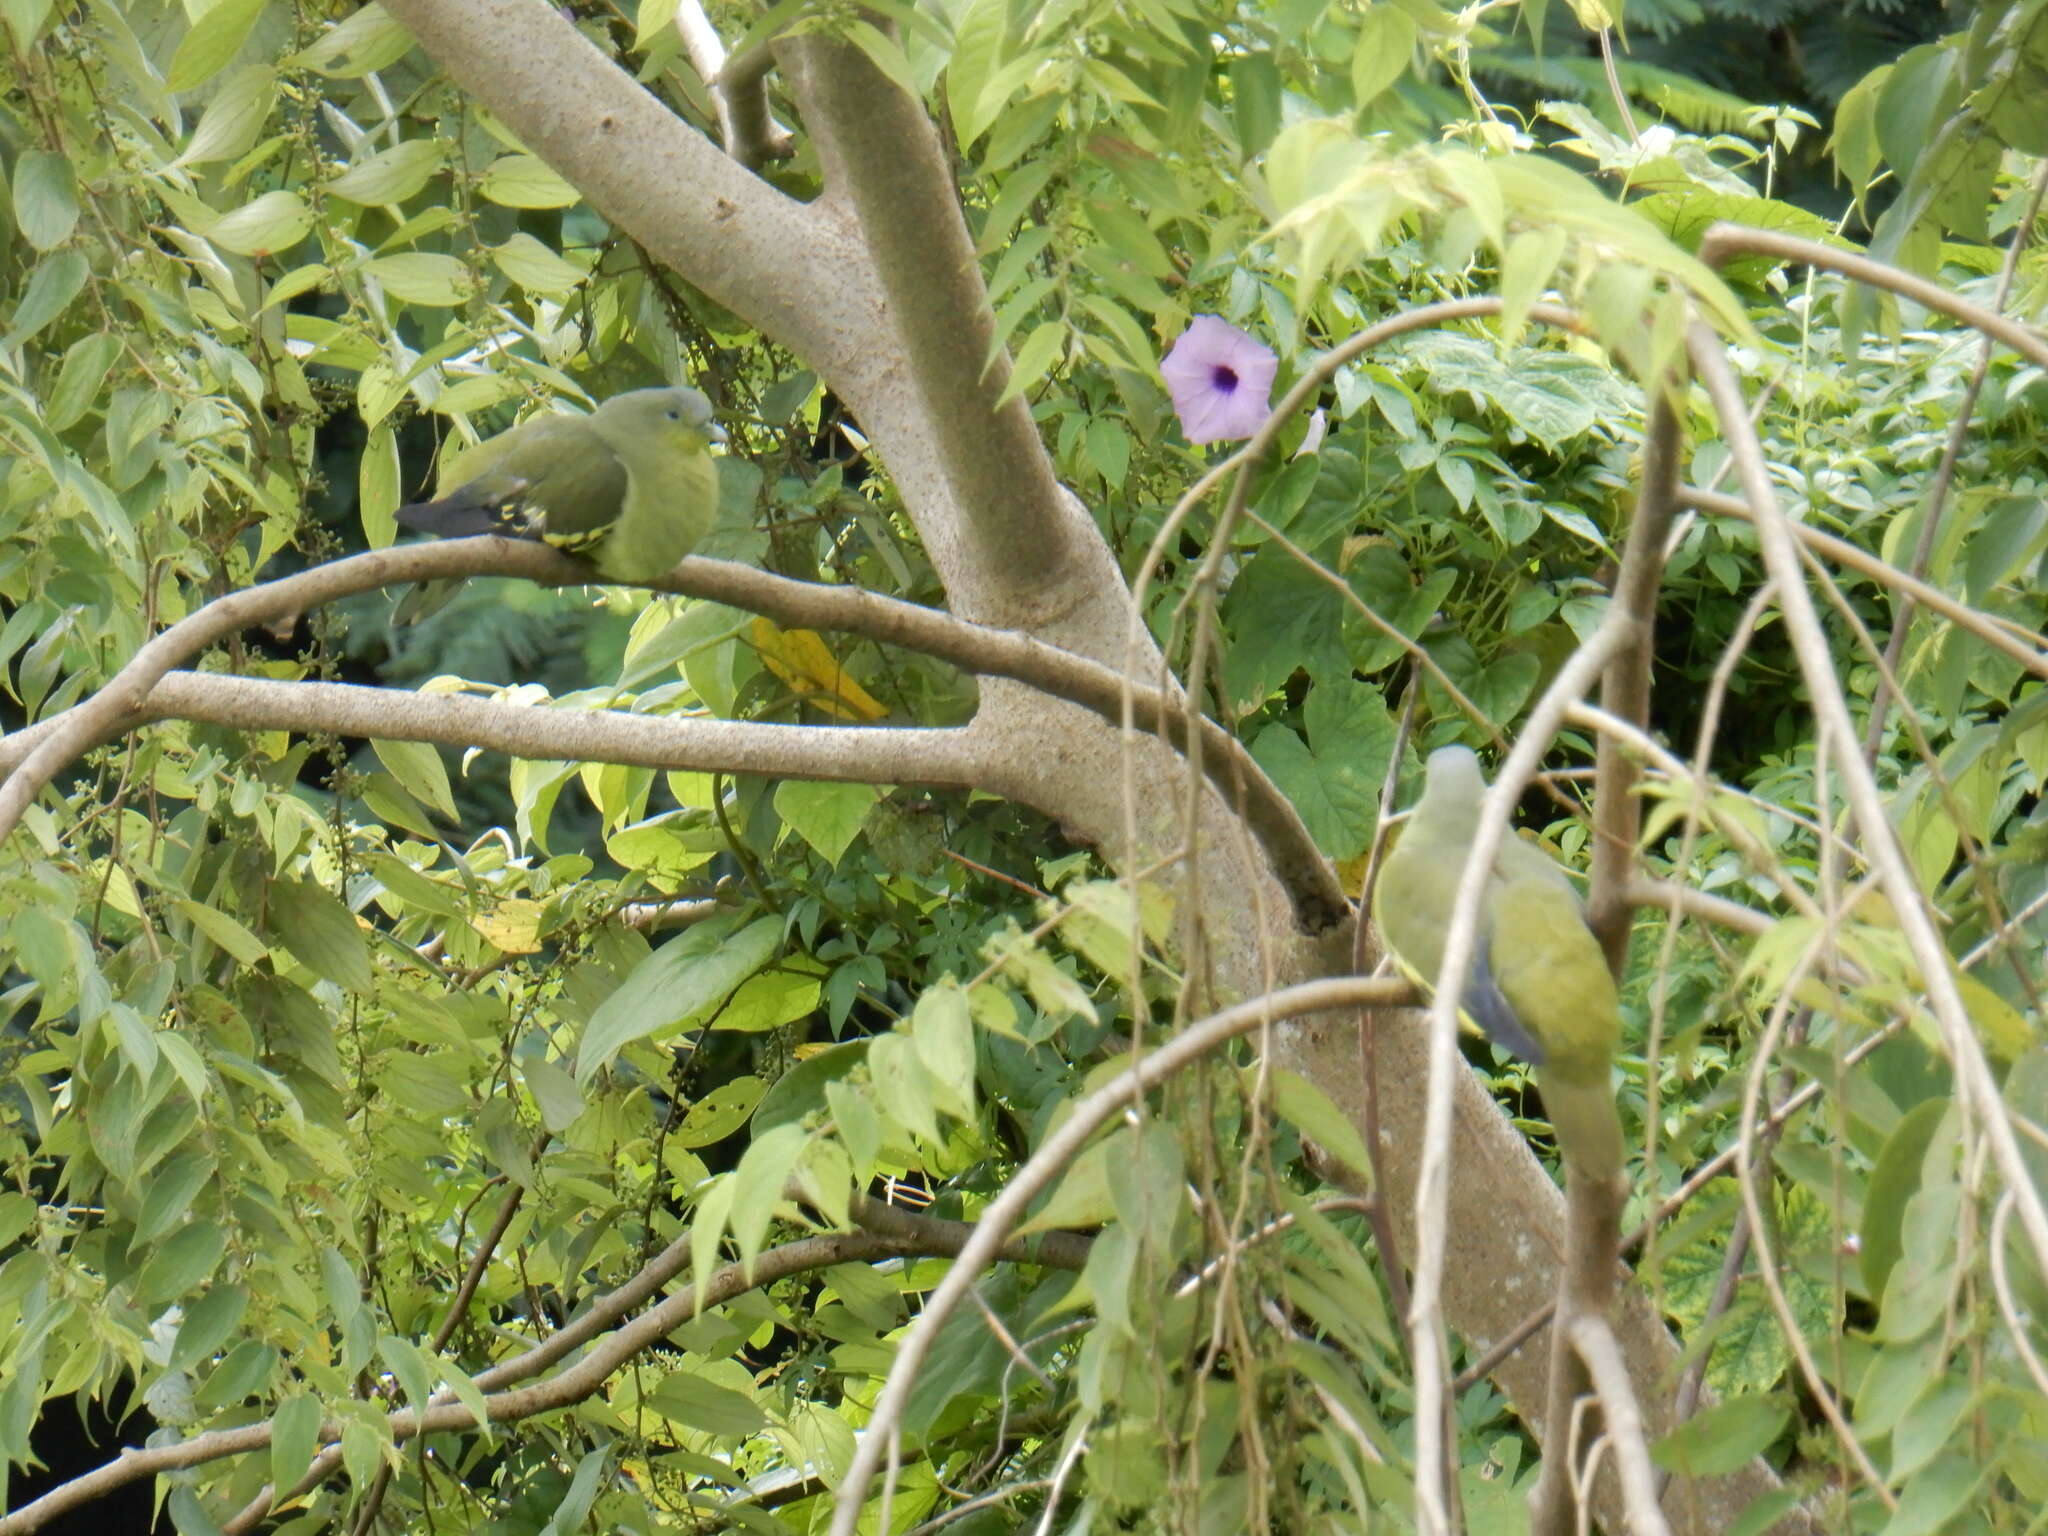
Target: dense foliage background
x=334, y=1071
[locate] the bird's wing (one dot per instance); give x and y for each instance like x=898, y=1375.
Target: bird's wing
x=1552, y=973
x=1412, y=907
x=549, y=475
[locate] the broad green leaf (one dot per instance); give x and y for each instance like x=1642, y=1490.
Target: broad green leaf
x=828, y=816
x=215, y=38
x=1719, y=1440
x=719, y=1113
x=525, y=181
x=368, y=39
x=418, y=766
x=294, y=1434
x=224, y=931
x=536, y=268
x=181, y=1262
x=943, y=1031
x=268, y=225
x=234, y=116
x=45, y=199
x=689, y=1399
x=772, y=999
x=377, y=498
x=758, y=1183
x=314, y=926
x=676, y=986
x=1381, y=53
x=391, y=175
x=423, y=277
x=1309, y=1110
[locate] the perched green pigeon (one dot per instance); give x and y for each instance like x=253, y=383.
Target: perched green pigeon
x=1539, y=986
x=632, y=485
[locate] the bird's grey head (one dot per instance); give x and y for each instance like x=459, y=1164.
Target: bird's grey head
x=661, y=410
x=1453, y=786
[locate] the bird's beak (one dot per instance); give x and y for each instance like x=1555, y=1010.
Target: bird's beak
x=713, y=432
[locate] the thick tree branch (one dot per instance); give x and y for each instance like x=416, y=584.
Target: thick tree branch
x=882, y=158
x=866, y=754
x=746, y=245
x=30, y=758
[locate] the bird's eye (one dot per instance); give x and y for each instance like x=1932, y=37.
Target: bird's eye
x=675, y=415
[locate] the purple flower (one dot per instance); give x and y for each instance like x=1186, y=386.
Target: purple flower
x=1221, y=380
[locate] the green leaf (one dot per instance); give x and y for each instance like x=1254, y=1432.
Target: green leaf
x=690, y=1399
x=169, y=1195
x=79, y=381
x=1893, y=1179
x=942, y=1029
x=764, y=1169
x=525, y=181
x=45, y=199
x=224, y=931
x=418, y=766
x=720, y=1112
x=536, y=268
x=378, y=495
x=234, y=116
x=676, y=986
x=216, y=37
x=884, y=52
x=368, y=40
x=1382, y=52
x=191, y=1254
x=556, y=1093
x=51, y=287
x=208, y=1322
x=294, y=1434
x=314, y=926
x=1724, y=1438
x=1082, y=1197
x=1309, y=1110
x=270, y=224
x=827, y=816
x=423, y=277
x=772, y=999
x=391, y=175
x=1931, y=1500
x=1337, y=803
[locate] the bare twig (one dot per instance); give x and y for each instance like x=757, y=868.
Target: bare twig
x=1595, y=1343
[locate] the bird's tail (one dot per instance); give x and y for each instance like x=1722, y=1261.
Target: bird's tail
x=1588, y=1125
x=459, y=515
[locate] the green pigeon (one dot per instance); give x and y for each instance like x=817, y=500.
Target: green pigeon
x=1539, y=985
x=632, y=486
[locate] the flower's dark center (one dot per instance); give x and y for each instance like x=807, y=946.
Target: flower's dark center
x=1224, y=377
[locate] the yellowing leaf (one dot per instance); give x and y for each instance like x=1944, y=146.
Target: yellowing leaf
x=801, y=659
x=513, y=927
